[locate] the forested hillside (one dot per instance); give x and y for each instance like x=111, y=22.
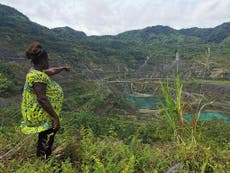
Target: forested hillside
x=126, y=51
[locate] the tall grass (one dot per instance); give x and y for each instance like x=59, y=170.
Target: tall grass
x=174, y=107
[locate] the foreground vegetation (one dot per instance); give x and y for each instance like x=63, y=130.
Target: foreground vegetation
x=103, y=143
x=89, y=143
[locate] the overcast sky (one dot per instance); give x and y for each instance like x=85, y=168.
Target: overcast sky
x=102, y=17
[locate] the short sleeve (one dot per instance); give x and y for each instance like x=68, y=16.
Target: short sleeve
x=36, y=77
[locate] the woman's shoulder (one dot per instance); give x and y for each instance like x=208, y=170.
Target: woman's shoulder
x=37, y=76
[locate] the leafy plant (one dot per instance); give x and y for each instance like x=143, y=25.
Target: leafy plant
x=6, y=85
x=174, y=110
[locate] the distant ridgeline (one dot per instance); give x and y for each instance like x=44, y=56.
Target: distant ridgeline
x=149, y=52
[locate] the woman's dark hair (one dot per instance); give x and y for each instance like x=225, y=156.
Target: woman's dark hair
x=35, y=52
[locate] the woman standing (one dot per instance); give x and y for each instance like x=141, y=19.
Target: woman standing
x=42, y=100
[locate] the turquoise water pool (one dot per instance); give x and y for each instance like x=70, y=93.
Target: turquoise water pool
x=204, y=116
x=152, y=102
x=143, y=102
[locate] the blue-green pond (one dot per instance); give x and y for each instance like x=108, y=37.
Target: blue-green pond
x=152, y=102
x=143, y=102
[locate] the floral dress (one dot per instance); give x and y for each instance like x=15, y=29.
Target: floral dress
x=35, y=118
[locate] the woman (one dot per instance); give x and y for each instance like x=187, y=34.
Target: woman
x=42, y=100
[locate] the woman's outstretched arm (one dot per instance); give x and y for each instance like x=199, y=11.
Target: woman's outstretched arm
x=55, y=70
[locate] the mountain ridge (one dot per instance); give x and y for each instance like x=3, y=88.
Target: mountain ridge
x=68, y=32
x=204, y=33
x=127, y=50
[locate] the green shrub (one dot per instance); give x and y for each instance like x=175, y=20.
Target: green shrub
x=6, y=85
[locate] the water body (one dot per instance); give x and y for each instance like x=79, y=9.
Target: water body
x=153, y=102
x=205, y=116
x=144, y=102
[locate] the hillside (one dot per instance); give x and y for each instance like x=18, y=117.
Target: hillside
x=124, y=52
x=145, y=53
x=216, y=34
x=69, y=33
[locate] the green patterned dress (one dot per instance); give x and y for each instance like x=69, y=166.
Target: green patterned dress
x=35, y=118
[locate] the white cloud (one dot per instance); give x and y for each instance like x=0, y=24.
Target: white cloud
x=99, y=17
